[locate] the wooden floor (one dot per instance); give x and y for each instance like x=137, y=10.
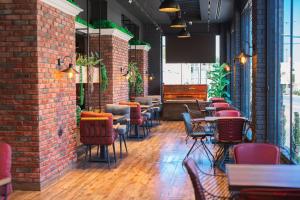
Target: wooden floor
x=152, y=170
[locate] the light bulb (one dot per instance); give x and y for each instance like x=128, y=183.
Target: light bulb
x=243, y=59
x=70, y=74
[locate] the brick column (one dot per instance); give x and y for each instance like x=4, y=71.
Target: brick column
x=259, y=90
x=114, y=52
x=139, y=54
x=37, y=102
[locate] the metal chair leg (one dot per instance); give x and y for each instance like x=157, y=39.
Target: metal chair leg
x=120, y=138
x=187, y=155
x=125, y=143
x=114, y=149
x=5, y=192
x=107, y=155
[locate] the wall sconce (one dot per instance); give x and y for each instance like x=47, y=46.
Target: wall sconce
x=151, y=77
x=227, y=68
x=125, y=72
x=70, y=70
x=242, y=57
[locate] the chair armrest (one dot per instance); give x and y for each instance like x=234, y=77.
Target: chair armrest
x=5, y=181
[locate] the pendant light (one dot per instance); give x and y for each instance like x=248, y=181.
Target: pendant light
x=184, y=34
x=169, y=6
x=178, y=22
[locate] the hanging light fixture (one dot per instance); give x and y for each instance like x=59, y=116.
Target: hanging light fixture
x=70, y=70
x=169, y=6
x=184, y=34
x=178, y=22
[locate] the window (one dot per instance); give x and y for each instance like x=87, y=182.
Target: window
x=246, y=70
x=186, y=73
x=289, y=137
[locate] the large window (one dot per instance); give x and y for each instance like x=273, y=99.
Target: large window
x=186, y=73
x=289, y=22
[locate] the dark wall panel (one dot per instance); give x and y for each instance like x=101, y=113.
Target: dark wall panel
x=196, y=49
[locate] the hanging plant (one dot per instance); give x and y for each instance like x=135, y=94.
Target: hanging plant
x=104, y=78
x=81, y=61
x=219, y=81
x=135, y=79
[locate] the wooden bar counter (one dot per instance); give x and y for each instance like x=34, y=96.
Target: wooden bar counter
x=175, y=96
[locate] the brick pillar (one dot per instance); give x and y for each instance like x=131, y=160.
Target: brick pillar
x=114, y=52
x=139, y=54
x=259, y=90
x=37, y=102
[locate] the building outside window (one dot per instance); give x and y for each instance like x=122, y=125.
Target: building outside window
x=289, y=137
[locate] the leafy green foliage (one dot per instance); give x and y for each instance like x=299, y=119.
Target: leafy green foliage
x=84, y=22
x=78, y=113
x=219, y=81
x=135, y=79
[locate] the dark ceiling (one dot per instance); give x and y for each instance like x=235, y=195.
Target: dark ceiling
x=196, y=11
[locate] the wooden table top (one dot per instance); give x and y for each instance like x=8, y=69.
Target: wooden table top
x=212, y=119
x=271, y=176
x=118, y=117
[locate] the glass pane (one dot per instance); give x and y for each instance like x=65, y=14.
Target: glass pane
x=285, y=80
x=296, y=82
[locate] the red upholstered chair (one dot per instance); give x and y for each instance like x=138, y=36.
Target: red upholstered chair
x=256, y=153
x=192, y=170
x=220, y=105
x=217, y=100
x=228, y=113
x=97, y=129
x=229, y=132
x=5, y=170
x=136, y=118
x=269, y=194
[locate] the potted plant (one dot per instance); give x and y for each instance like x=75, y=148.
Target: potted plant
x=135, y=80
x=219, y=81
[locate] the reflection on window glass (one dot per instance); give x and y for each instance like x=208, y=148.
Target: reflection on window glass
x=186, y=73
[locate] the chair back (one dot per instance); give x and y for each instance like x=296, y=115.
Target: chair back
x=187, y=123
x=97, y=129
x=117, y=109
x=5, y=164
x=256, y=153
x=135, y=112
x=220, y=105
x=144, y=100
x=217, y=100
x=192, y=170
x=202, y=104
x=269, y=194
x=230, y=130
x=228, y=113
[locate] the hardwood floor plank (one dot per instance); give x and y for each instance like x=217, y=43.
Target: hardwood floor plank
x=151, y=170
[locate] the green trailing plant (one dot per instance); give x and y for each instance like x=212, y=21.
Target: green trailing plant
x=219, y=80
x=104, y=24
x=78, y=114
x=135, y=79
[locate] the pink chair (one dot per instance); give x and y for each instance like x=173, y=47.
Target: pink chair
x=256, y=153
x=192, y=170
x=269, y=194
x=217, y=100
x=228, y=113
x=5, y=170
x=220, y=105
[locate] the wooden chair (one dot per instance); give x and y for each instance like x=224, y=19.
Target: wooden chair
x=5, y=170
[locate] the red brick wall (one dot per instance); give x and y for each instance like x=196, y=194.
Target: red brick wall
x=141, y=58
x=57, y=93
x=36, y=101
x=114, y=52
